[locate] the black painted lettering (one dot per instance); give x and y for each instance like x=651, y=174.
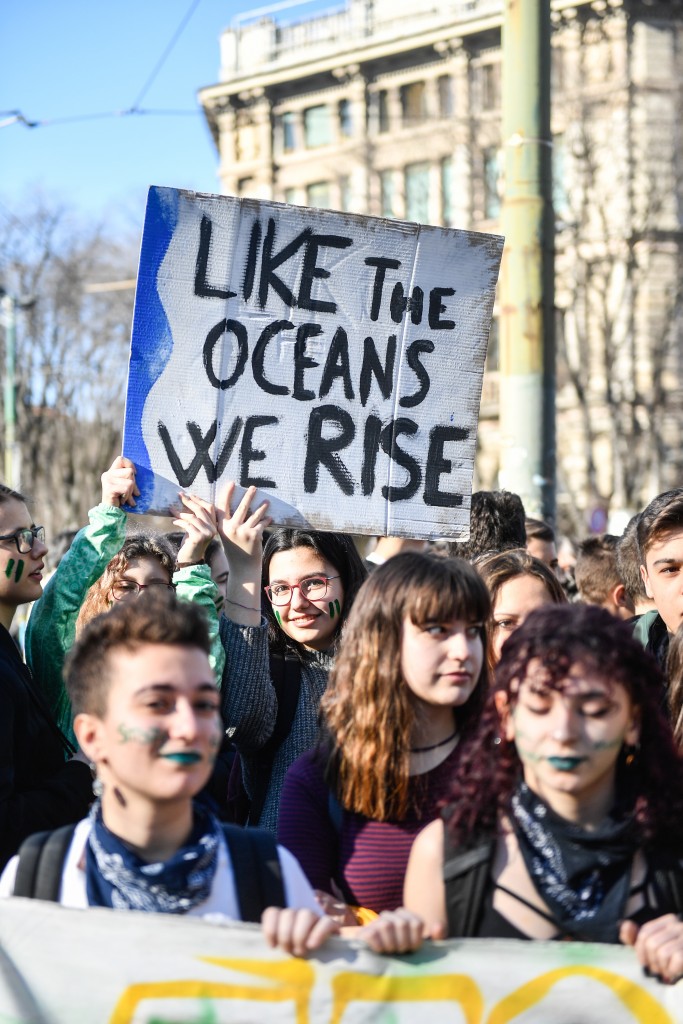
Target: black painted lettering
x=201, y=287
x=302, y=362
x=270, y=263
x=249, y=454
x=310, y=271
x=400, y=303
x=267, y=335
x=337, y=365
x=372, y=367
x=371, y=439
x=382, y=264
x=322, y=451
x=202, y=443
x=413, y=360
x=437, y=465
x=436, y=308
x=212, y=339
x=389, y=445
x=250, y=269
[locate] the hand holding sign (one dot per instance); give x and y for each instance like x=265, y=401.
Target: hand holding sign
x=198, y=521
x=118, y=483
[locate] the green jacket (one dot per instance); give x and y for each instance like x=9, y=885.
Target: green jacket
x=51, y=629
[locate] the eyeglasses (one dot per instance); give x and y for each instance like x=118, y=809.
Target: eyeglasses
x=129, y=588
x=25, y=539
x=313, y=588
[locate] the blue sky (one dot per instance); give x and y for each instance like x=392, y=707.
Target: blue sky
x=71, y=58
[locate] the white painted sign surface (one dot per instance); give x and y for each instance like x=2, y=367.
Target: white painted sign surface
x=334, y=361
x=113, y=967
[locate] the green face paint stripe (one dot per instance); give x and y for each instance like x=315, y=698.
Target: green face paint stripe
x=20, y=569
x=278, y=616
x=9, y=568
x=133, y=734
x=337, y=606
x=331, y=607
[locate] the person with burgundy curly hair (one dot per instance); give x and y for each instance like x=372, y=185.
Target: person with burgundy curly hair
x=568, y=800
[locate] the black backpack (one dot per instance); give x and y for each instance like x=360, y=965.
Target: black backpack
x=254, y=855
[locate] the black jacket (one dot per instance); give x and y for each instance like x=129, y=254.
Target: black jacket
x=39, y=789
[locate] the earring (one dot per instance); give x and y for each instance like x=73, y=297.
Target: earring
x=97, y=784
x=631, y=752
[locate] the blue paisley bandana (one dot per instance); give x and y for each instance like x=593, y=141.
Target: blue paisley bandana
x=118, y=878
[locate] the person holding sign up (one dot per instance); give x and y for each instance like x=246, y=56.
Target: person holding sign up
x=277, y=663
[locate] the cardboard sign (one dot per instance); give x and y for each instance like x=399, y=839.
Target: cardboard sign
x=112, y=967
x=333, y=361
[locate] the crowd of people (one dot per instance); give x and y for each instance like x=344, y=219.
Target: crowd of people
x=248, y=722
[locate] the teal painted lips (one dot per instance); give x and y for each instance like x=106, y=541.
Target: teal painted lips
x=184, y=757
x=565, y=764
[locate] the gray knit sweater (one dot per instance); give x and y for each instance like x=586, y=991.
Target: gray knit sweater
x=250, y=707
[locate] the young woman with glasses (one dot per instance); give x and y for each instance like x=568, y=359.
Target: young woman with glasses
x=39, y=788
x=405, y=692
x=103, y=568
x=308, y=581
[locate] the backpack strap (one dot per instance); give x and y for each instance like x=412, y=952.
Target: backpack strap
x=257, y=869
x=41, y=863
x=465, y=876
x=669, y=886
x=285, y=673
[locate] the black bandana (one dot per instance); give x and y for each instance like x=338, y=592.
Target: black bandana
x=583, y=877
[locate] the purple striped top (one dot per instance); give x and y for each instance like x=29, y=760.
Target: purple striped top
x=367, y=859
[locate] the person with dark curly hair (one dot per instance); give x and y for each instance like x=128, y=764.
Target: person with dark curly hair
x=568, y=801
x=406, y=690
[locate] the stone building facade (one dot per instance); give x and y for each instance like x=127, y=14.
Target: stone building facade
x=393, y=108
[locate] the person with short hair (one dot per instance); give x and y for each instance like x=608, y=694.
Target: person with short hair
x=597, y=576
x=660, y=542
x=496, y=524
x=574, y=828
x=628, y=567
x=540, y=543
x=39, y=787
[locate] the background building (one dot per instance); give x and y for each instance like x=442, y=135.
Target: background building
x=392, y=108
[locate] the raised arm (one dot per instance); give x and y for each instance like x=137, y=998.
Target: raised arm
x=241, y=531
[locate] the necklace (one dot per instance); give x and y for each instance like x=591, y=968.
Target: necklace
x=433, y=746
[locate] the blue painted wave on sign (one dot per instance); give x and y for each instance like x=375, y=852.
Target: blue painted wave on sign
x=152, y=341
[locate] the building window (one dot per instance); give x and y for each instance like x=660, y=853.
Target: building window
x=289, y=131
x=413, y=103
x=345, y=193
x=382, y=111
x=318, y=195
x=244, y=186
x=345, y=118
x=417, y=192
x=447, y=192
x=290, y=195
x=387, y=195
x=491, y=173
x=317, y=127
x=490, y=86
x=446, y=96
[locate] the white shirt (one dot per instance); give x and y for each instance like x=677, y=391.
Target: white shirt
x=222, y=900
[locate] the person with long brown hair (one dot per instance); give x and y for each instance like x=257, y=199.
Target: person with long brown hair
x=517, y=583
x=565, y=820
x=674, y=691
x=406, y=689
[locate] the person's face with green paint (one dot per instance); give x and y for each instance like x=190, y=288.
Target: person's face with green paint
x=311, y=622
x=159, y=736
x=569, y=739
x=20, y=574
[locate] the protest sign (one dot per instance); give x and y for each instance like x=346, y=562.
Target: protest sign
x=85, y=966
x=333, y=361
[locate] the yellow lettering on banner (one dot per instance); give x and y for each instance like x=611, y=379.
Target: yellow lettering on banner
x=644, y=1007
x=349, y=987
x=288, y=981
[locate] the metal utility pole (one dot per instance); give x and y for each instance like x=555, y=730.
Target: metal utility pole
x=527, y=335
x=8, y=304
